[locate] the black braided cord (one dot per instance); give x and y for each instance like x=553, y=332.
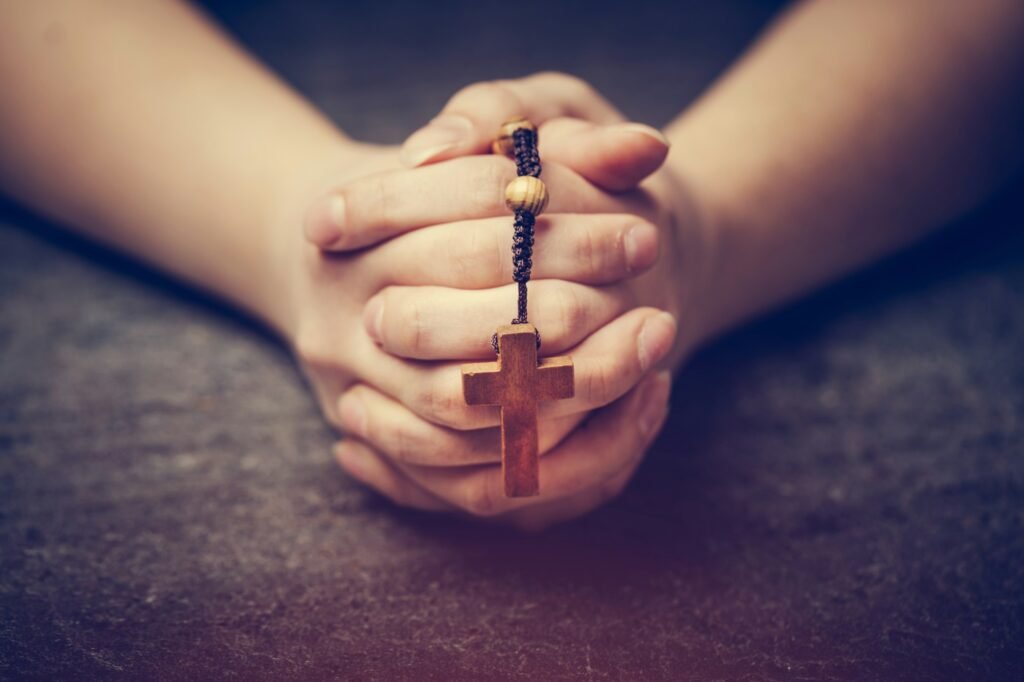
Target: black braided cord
x=524, y=146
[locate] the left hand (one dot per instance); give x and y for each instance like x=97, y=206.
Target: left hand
x=424, y=447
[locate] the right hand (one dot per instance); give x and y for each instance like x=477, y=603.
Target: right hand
x=439, y=296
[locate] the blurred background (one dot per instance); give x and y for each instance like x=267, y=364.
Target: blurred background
x=380, y=69
x=839, y=493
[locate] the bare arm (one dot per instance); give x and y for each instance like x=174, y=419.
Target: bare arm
x=141, y=125
x=853, y=127
x=849, y=130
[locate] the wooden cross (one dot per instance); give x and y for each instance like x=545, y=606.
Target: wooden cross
x=516, y=383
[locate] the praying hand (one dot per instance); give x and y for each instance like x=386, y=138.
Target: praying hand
x=847, y=132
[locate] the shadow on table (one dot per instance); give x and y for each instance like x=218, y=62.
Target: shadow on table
x=712, y=489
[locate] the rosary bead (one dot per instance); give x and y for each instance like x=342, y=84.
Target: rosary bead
x=526, y=193
x=504, y=144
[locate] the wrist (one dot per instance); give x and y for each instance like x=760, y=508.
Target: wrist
x=694, y=257
x=741, y=258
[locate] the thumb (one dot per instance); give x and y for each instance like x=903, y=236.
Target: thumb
x=472, y=117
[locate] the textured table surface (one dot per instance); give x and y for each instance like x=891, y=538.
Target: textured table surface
x=839, y=493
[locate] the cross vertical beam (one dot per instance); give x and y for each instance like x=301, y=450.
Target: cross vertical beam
x=516, y=383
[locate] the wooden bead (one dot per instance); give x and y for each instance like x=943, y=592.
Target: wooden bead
x=504, y=143
x=528, y=193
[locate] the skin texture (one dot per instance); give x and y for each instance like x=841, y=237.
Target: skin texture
x=824, y=148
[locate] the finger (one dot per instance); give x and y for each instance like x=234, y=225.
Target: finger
x=606, y=365
x=598, y=450
x=437, y=323
x=616, y=157
x=378, y=207
x=539, y=517
x=476, y=254
x=367, y=467
x=473, y=116
x=394, y=431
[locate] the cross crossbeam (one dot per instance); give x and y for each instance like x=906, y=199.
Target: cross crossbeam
x=516, y=383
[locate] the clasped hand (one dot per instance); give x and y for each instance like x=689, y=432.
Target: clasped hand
x=403, y=270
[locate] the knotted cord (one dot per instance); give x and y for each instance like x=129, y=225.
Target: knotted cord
x=527, y=161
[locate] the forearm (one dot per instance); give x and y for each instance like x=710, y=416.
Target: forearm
x=851, y=129
x=144, y=127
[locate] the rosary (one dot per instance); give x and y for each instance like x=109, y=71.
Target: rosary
x=517, y=381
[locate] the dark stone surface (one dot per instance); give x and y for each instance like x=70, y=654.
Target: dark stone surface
x=839, y=493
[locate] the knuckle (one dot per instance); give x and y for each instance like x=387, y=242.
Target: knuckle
x=577, y=87
x=553, y=76
x=588, y=251
x=480, y=499
x=461, y=258
x=327, y=396
x=475, y=257
x=482, y=89
x=599, y=384
x=500, y=91
x=493, y=95
x=406, y=446
x=326, y=372
x=489, y=253
x=440, y=406
x=314, y=350
x=572, y=310
x=495, y=174
x=405, y=327
x=653, y=232
x=499, y=258
x=330, y=413
x=371, y=202
x=567, y=83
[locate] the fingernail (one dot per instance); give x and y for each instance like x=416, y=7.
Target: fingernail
x=351, y=458
x=373, y=317
x=326, y=222
x=645, y=130
x=655, y=340
x=352, y=412
x=440, y=135
x=641, y=247
x=654, y=405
